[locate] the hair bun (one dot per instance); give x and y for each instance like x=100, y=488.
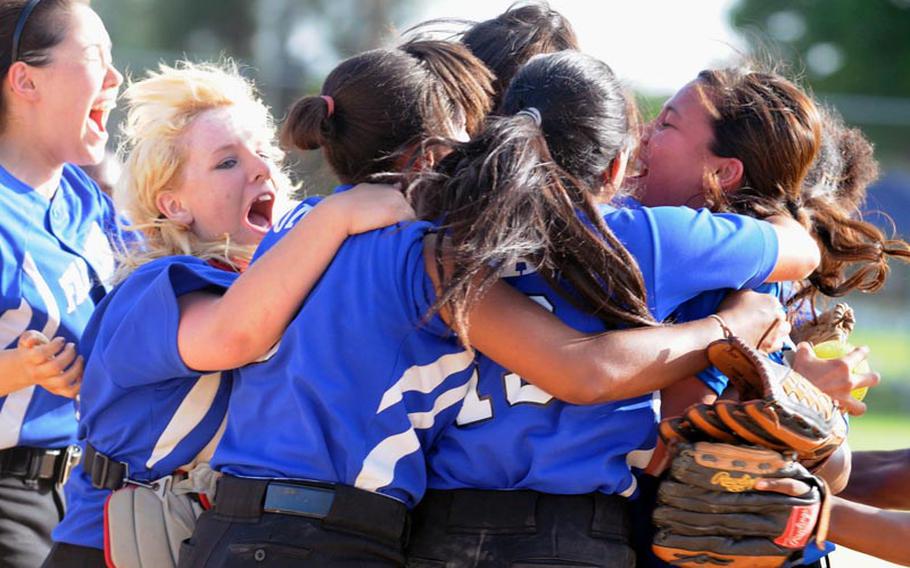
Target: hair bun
x=306, y=126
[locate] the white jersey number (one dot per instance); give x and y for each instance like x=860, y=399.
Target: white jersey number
x=477, y=408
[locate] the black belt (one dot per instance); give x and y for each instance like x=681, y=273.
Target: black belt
x=511, y=512
x=39, y=464
x=339, y=507
x=105, y=472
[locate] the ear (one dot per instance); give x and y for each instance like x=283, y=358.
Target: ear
x=729, y=172
x=613, y=176
x=618, y=168
x=171, y=206
x=21, y=81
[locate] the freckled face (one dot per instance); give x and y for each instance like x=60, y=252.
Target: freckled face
x=227, y=179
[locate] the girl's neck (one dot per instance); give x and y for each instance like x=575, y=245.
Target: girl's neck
x=25, y=160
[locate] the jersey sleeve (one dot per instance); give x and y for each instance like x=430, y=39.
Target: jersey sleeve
x=684, y=252
x=137, y=336
x=285, y=224
x=706, y=304
x=391, y=265
x=418, y=288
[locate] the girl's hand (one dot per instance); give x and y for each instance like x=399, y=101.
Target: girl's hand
x=370, y=206
x=759, y=319
x=50, y=364
x=835, y=376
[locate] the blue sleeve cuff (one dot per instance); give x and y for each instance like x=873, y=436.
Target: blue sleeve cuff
x=714, y=379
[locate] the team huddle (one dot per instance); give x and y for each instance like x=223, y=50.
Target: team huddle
x=520, y=313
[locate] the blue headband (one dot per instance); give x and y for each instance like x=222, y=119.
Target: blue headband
x=20, y=25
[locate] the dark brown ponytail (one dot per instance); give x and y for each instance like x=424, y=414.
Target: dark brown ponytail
x=528, y=190
x=856, y=252
x=385, y=102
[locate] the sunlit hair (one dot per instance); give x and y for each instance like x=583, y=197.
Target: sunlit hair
x=509, y=40
x=802, y=161
x=527, y=189
x=386, y=101
x=161, y=107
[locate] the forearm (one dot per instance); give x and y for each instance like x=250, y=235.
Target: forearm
x=884, y=534
x=879, y=479
x=835, y=470
x=798, y=254
x=676, y=398
x=12, y=375
x=585, y=369
x=238, y=327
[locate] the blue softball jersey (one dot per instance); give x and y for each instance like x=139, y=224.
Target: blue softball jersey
x=140, y=404
x=56, y=261
x=513, y=435
x=707, y=303
x=361, y=382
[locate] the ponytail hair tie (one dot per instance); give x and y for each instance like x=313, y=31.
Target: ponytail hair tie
x=330, y=103
x=533, y=113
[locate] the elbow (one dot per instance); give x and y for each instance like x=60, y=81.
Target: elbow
x=241, y=347
x=589, y=384
x=220, y=350
x=811, y=261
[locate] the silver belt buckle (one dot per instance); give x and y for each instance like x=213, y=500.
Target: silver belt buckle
x=72, y=457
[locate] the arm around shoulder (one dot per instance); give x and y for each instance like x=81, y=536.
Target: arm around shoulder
x=798, y=254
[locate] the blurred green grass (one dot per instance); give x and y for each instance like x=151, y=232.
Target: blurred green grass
x=886, y=424
x=879, y=431
x=889, y=355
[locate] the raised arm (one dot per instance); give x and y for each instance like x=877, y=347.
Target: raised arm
x=798, y=254
x=226, y=331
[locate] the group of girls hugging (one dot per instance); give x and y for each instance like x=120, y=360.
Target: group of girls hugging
x=457, y=358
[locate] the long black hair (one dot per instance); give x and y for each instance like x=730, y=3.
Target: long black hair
x=509, y=40
x=528, y=189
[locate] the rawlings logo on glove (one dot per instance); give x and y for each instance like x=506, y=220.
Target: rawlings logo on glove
x=708, y=513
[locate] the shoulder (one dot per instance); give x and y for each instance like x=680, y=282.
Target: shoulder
x=179, y=273
x=84, y=187
x=83, y=195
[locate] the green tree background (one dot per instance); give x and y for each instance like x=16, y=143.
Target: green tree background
x=287, y=46
x=854, y=53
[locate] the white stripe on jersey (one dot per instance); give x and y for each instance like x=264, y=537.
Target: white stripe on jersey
x=379, y=466
x=16, y=404
x=53, y=311
x=639, y=458
x=13, y=323
x=98, y=252
x=205, y=455
x=425, y=378
x=423, y=420
x=189, y=414
x=631, y=489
